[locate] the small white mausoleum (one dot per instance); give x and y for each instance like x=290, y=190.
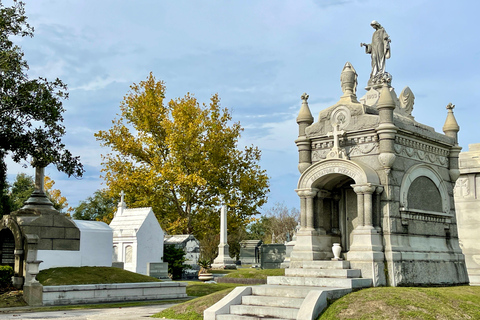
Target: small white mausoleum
x=137, y=238
x=95, y=248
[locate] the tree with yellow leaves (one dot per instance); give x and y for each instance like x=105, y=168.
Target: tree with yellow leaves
x=181, y=158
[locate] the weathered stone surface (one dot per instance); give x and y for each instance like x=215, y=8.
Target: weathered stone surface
x=467, y=204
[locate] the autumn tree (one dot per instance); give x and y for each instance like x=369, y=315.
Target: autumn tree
x=30, y=109
x=181, y=158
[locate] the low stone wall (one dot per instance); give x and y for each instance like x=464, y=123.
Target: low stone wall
x=99, y=293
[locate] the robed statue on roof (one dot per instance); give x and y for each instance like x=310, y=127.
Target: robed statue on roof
x=379, y=50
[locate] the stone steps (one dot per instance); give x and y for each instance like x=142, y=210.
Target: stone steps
x=300, y=294
x=241, y=317
x=264, y=311
x=353, y=283
x=270, y=301
x=327, y=273
x=321, y=264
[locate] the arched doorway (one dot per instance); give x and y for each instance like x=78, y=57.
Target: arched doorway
x=338, y=202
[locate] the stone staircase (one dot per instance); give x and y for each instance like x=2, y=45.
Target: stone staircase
x=301, y=294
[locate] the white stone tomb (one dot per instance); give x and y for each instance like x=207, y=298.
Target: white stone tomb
x=137, y=238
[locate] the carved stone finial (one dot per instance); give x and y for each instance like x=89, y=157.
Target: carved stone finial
x=305, y=116
x=348, y=80
x=305, y=97
x=451, y=127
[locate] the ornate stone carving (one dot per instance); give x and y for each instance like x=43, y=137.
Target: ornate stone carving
x=341, y=116
x=336, y=151
x=407, y=99
x=348, y=80
x=462, y=188
x=422, y=151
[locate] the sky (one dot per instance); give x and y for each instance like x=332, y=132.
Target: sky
x=259, y=56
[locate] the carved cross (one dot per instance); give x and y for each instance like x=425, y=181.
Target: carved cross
x=336, y=136
x=122, y=196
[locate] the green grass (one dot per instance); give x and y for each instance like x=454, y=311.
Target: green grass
x=89, y=275
x=453, y=303
x=193, y=309
x=209, y=293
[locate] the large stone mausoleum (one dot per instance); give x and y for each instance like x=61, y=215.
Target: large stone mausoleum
x=379, y=183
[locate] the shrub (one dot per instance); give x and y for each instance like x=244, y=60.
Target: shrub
x=175, y=258
x=6, y=274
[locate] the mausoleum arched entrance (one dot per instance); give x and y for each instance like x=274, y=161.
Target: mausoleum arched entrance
x=338, y=198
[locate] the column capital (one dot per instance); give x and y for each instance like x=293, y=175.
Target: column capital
x=379, y=190
x=367, y=188
x=307, y=193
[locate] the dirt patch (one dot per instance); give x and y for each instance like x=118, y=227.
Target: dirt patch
x=12, y=299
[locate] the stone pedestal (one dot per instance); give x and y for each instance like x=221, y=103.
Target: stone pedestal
x=366, y=254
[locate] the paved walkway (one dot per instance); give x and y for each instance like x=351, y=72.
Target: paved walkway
x=124, y=313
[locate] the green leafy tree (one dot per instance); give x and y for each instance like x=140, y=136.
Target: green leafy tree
x=23, y=187
x=181, y=158
x=30, y=109
x=100, y=206
x=176, y=260
x=21, y=190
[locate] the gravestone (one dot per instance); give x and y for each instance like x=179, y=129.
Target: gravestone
x=158, y=270
x=272, y=255
x=137, y=237
x=250, y=252
x=467, y=205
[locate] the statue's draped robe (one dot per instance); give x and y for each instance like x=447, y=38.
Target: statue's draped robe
x=380, y=50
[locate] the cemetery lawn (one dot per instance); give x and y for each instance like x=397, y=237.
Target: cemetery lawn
x=386, y=303
x=89, y=275
x=462, y=302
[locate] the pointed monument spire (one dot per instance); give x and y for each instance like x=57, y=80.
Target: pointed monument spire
x=305, y=116
x=451, y=127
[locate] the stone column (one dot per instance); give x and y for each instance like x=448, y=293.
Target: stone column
x=378, y=209
x=303, y=217
x=368, y=206
x=223, y=260
x=336, y=214
x=360, y=205
x=310, y=195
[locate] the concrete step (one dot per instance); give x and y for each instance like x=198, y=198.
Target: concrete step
x=263, y=311
x=320, y=264
x=328, y=273
x=240, y=317
x=321, y=282
x=292, y=291
x=272, y=301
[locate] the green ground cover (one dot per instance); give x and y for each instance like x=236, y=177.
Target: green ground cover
x=89, y=275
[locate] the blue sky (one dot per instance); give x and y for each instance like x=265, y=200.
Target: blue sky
x=259, y=56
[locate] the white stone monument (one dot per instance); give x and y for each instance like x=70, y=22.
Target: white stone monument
x=137, y=238
x=223, y=260
x=467, y=205
x=95, y=248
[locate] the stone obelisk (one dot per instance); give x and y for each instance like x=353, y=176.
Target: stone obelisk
x=223, y=260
